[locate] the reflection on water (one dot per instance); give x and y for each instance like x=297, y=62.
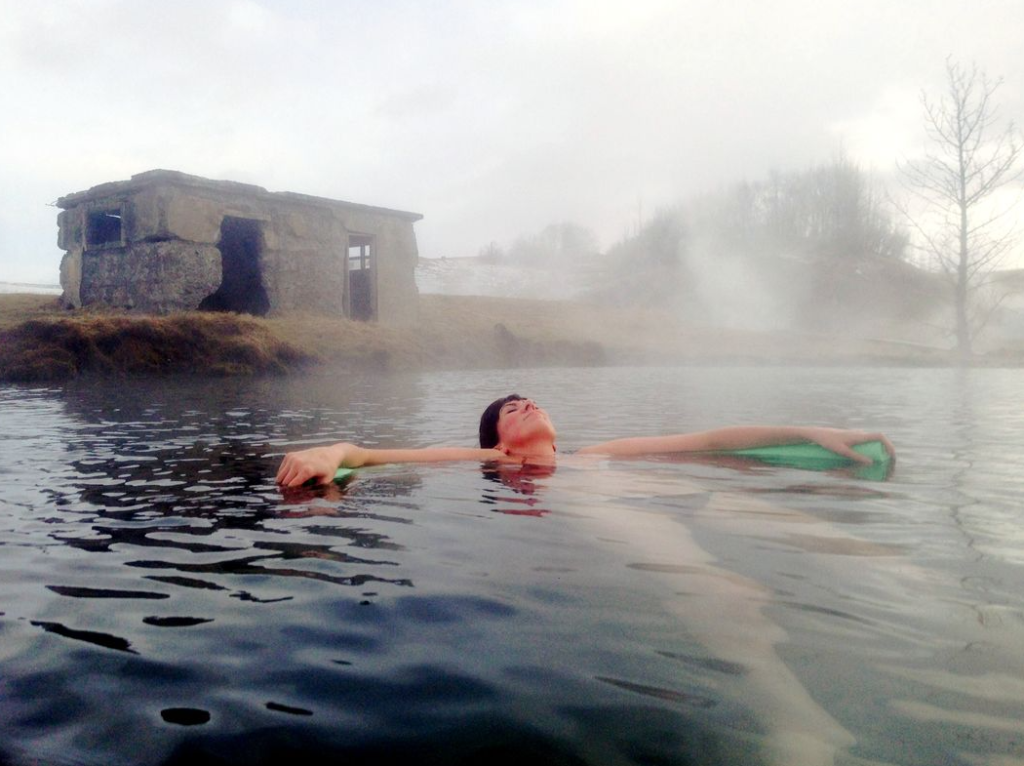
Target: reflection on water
x=162, y=602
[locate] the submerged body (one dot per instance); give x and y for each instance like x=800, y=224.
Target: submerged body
x=515, y=430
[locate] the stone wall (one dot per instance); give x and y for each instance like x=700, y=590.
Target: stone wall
x=396, y=263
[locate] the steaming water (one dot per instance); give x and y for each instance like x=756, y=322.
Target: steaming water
x=162, y=602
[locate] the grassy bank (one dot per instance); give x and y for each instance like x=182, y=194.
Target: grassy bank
x=40, y=342
x=50, y=347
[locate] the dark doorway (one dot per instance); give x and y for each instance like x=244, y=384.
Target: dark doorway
x=241, y=287
x=361, y=303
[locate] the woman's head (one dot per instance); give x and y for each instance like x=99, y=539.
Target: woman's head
x=489, y=421
x=514, y=422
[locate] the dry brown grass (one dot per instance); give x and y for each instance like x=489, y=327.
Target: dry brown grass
x=52, y=349
x=16, y=308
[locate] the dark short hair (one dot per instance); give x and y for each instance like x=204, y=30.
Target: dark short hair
x=489, y=421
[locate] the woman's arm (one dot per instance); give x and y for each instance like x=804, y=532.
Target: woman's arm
x=321, y=463
x=837, y=440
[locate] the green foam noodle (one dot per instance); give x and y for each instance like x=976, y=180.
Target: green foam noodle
x=815, y=457
x=814, y=454
x=342, y=474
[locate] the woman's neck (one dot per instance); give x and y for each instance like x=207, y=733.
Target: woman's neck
x=539, y=450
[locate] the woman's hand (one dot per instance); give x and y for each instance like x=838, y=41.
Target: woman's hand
x=841, y=441
x=320, y=463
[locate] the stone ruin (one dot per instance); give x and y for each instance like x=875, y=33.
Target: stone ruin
x=165, y=241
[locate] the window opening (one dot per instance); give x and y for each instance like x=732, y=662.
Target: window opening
x=359, y=253
x=103, y=227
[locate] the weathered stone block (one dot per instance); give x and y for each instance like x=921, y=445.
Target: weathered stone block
x=176, y=278
x=193, y=219
x=70, y=233
x=71, y=279
x=144, y=217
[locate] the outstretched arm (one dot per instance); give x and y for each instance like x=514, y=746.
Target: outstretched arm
x=321, y=463
x=838, y=440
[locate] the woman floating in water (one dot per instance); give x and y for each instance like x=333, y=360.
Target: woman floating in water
x=718, y=608
x=515, y=430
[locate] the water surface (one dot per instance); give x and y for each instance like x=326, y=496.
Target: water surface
x=163, y=602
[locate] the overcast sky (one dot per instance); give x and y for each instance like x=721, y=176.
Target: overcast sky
x=490, y=118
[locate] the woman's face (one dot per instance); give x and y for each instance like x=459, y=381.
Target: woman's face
x=522, y=422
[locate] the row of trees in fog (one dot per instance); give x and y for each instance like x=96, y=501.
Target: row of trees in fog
x=778, y=252
x=831, y=211
x=561, y=244
x=835, y=219
x=718, y=255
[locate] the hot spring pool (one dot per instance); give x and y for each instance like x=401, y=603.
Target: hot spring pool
x=162, y=602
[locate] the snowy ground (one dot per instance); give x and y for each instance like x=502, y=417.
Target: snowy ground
x=473, y=276
x=18, y=287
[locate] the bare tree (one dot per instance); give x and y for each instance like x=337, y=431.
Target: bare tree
x=968, y=159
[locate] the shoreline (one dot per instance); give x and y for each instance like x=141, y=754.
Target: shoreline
x=40, y=342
